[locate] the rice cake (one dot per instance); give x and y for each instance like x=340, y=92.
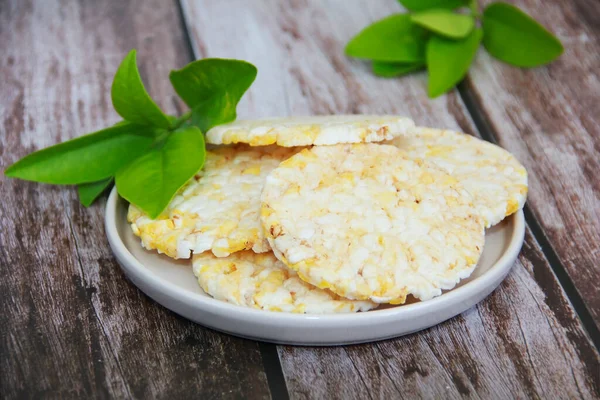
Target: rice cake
x=261, y=281
x=218, y=209
x=368, y=222
x=493, y=176
x=315, y=130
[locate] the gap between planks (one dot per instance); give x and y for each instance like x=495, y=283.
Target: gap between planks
x=268, y=351
x=488, y=133
x=303, y=97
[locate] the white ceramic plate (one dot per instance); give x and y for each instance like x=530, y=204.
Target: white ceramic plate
x=172, y=284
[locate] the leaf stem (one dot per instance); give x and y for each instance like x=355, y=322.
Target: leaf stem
x=181, y=120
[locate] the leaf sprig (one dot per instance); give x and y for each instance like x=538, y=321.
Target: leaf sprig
x=149, y=155
x=444, y=35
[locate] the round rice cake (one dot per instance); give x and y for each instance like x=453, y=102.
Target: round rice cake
x=493, y=176
x=261, y=281
x=314, y=130
x=369, y=223
x=218, y=209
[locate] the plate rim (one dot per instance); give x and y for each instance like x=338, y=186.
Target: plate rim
x=133, y=266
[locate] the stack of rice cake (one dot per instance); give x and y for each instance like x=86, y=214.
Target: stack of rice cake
x=335, y=214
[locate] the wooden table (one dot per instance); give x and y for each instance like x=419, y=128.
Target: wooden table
x=73, y=327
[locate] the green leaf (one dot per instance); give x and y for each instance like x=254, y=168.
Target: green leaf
x=515, y=38
x=212, y=88
x=474, y=7
x=130, y=99
x=394, y=38
x=88, y=192
x=388, y=70
x=151, y=180
x=448, y=61
x=445, y=23
x=88, y=158
x=420, y=5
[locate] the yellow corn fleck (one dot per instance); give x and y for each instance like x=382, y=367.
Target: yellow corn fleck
x=293, y=162
x=293, y=188
x=512, y=206
x=437, y=151
x=263, y=140
x=300, y=308
x=426, y=177
x=386, y=198
x=254, y=170
x=323, y=284
x=399, y=300
x=347, y=176
x=235, y=245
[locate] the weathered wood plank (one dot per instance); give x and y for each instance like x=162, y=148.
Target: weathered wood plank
x=523, y=341
x=549, y=118
x=297, y=47
x=72, y=325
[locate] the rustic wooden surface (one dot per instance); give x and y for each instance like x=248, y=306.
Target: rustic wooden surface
x=74, y=327
x=550, y=119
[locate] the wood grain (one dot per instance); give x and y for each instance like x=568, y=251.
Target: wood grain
x=524, y=341
x=549, y=118
x=72, y=325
